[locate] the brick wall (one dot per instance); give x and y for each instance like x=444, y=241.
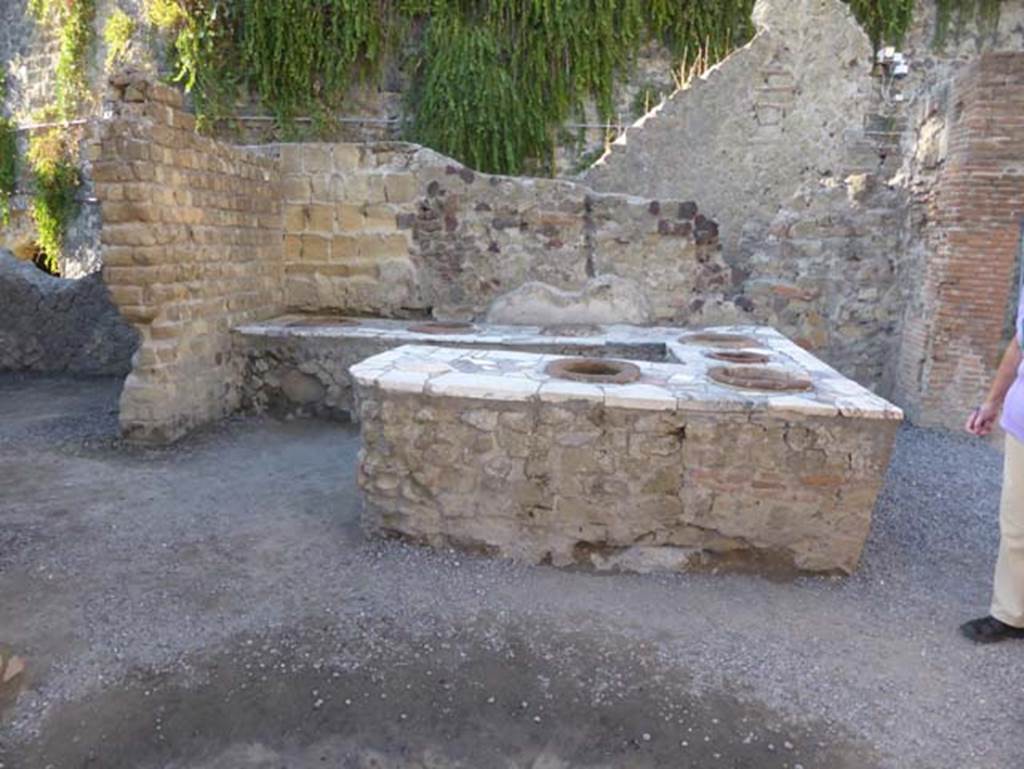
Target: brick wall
x=398, y=230
x=956, y=326
x=191, y=247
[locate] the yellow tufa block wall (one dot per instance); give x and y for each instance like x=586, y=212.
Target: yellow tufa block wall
x=348, y=240
x=191, y=243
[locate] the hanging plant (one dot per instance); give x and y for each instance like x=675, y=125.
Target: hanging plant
x=52, y=155
x=117, y=35
x=957, y=14
x=885, y=21
x=493, y=79
x=8, y=168
x=8, y=158
x=73, y=22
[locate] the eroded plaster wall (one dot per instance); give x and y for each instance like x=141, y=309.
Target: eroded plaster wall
x=398, y=230
x=748, y=133
x=788, y=146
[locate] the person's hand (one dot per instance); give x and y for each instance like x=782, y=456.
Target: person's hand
x=982, y=419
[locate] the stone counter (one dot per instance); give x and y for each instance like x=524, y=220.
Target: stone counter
x=298, y=364
x=487, y=450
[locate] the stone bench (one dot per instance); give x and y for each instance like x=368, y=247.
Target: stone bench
x=740, y=450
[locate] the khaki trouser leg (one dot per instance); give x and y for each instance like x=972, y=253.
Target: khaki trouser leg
x=1008, y=592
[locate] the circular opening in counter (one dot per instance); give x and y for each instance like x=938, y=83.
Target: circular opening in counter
x=321, y=320
x=738, y=356
x=719, y=339
x=596, y=370
x=572, y=329
x=760, y=378
x=442, y=327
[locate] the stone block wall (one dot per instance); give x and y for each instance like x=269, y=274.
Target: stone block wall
x=192, y=247
x=830, y=273
x=796, y=179
x=970, y=219
x=790, y=97
x=30, y=57
x=348, y=228
x=398, y=230
x=488, y=452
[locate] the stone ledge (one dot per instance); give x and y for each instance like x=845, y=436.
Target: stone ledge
x=681, y=384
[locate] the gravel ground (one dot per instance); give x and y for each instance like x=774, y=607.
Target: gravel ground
x=214, y=605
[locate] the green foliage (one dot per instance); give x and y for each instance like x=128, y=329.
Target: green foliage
x=301, y=55
x=73, y=21
x=165, y=15
x=885, y=21
x=51, y=155
x=8, y=167
x=469, y=107
x=647, y=97
x=206, y=51
x=117, y=34
x=956, y=14
x=496, y=79
x=695, y=29
x=8, y=158
x=493, y=78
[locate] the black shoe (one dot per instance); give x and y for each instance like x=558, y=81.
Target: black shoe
x=989, y=630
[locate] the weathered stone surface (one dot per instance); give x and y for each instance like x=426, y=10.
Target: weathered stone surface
x=415, y=232
x=605, y=299
x=790, y=95
x=302, y=376
x=478, y=457
x=964, y=239
x=187, y=255
x=321, y=349
x=795, y=180
x=58, y=324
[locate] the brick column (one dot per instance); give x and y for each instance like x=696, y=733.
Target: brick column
x=954, y=337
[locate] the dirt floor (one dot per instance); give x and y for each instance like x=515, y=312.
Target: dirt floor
x=215, y=606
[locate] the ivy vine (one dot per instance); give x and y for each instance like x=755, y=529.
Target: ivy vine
x=117, y=35
x=8, y=158
x=492, y=79
x=52, y=157
x=885, y=21
x=957, y=14
x=52, y=153
x=74, y=23
x=8, y=168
